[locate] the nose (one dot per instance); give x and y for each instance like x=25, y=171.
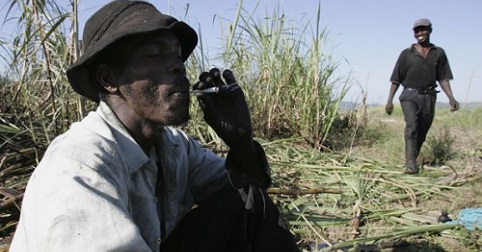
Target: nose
x=178, y=69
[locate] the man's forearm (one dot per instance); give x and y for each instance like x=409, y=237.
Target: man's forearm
x=445, y=85
x=393, y=90
x=248, y=164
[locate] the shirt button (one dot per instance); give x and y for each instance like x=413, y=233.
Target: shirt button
x=158, y=241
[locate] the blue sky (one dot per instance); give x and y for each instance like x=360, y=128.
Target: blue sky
x=365, y=36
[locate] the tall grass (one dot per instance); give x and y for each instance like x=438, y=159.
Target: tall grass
x=289, y=80
x=38, y=55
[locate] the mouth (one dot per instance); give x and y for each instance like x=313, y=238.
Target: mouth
x=180, y=94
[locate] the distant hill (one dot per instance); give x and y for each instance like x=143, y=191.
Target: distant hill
x=352, y=105
x=468, y=105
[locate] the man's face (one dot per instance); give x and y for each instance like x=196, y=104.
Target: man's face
x=421, y=33
x=153, y=79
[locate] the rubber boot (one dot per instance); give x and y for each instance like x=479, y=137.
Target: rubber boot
x=411, y=154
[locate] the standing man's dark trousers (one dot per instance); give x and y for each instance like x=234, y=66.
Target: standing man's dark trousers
x=418, y=110
x=243, y=220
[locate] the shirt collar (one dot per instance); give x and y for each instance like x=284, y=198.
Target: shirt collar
x=412, y=47
x=133, y=154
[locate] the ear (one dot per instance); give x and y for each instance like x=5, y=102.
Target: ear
x=106, y=78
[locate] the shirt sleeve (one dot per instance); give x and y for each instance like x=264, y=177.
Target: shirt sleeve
x=443, y=67
x=207, y=171
x=398, y=74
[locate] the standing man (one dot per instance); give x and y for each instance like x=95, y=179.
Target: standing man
x=418, y=69
x=123, y=179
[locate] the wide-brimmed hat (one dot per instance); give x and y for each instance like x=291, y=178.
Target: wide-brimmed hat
x=117, y=20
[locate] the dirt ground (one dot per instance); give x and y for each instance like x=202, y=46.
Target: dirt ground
x=467, y=146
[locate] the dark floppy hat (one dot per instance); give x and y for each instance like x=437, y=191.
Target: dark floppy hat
x=422, y=22
x=117, y=20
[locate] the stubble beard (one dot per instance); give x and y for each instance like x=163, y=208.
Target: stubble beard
x=178, y=120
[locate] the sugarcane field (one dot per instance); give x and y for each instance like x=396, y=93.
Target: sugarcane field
x=341, y=172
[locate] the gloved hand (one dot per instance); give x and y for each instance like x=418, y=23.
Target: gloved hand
x=224, y=106
x=226, y=111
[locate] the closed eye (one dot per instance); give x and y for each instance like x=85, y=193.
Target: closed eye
x=153, y=55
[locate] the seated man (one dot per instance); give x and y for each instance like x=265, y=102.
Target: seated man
x=122, y=179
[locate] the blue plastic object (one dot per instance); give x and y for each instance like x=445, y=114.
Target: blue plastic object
x=470, y=218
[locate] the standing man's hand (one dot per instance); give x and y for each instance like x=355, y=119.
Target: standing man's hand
x=391, y=94
x=389, y=108
x=454, y=105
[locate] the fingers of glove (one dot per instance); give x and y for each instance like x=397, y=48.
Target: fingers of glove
x=197, y=85
x=207, y=106
x=205, y=81
x=216, y=75
x=212, y=82
x=229, y=76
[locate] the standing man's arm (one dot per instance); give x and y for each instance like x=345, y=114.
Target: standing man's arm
x=397, y=77
x=391, y=94
x=445, y=85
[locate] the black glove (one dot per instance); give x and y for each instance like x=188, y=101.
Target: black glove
x=224, y=106
x=226, y=111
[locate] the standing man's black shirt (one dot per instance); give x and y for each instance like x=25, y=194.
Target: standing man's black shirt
x=413, y=71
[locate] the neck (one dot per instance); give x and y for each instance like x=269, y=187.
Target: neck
x=144, y=132
x=425, y=43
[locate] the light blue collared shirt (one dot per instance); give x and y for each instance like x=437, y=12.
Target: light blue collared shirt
x=94, y=189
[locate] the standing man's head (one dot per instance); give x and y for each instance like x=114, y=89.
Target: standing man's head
x=421, y=30
x=133, y=58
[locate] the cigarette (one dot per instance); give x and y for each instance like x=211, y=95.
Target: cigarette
x=206, y=91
